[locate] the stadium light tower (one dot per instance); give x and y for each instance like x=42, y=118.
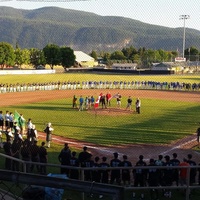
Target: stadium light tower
x=184, y=17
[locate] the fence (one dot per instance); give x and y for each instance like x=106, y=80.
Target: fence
x=113, y=191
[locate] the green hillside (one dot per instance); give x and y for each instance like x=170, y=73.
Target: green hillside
x=86, y=31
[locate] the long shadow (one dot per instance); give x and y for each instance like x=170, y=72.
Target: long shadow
x=162, y=133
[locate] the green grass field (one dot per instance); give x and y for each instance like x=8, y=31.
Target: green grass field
x=96, y=77
x=161, y=122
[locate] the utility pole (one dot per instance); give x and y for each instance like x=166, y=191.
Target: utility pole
x=184, y=17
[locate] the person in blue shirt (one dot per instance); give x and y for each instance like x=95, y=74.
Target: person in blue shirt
x=81, y=101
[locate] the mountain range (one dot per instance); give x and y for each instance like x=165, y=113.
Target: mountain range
x=87, y=31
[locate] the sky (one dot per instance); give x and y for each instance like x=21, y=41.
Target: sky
x=158, y=12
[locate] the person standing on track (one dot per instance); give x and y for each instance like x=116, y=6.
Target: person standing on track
x=48, y=130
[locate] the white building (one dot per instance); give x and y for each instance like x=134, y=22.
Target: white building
x=124, y=66
x=84, y=60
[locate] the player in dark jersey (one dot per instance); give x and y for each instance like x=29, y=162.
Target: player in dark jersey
x=175, y=162
x=89, y=163
x=125, y=172
x=153, y=178
x=43, y=158
x=64, y=158
x=115, y=173
x=96, y=174
x=193, y=171
x=167, y=175
x=104, y=172
x=139, y=174
x=83, y=156
x=160, y=162
x=74, y=162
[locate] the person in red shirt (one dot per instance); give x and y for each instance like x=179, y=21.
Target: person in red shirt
x=183, y=172
x=108, y=97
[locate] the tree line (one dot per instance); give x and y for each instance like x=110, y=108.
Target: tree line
x=145, y=57
x=53, y=55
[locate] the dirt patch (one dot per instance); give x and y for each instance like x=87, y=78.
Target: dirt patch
x=111, y=111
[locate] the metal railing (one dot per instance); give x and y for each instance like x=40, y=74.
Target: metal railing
x=116, y=192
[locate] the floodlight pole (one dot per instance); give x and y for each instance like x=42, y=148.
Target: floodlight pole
x=184, y=17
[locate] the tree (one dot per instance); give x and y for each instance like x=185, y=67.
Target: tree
x=36, y=57
x=117, y=55
x=192, y=54
x=94, y=54
x=52, y=55
x=7, y=55
x=129, y=52
x=22, y=56
x=67, y=57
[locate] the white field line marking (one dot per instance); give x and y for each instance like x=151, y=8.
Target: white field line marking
x=109, y=151
x=69, y=142
x=176, y=147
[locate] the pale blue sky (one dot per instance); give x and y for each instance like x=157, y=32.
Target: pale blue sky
x=159, y=12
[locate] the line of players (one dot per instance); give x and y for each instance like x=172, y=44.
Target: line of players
x=141, y=177
x=72, y=85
